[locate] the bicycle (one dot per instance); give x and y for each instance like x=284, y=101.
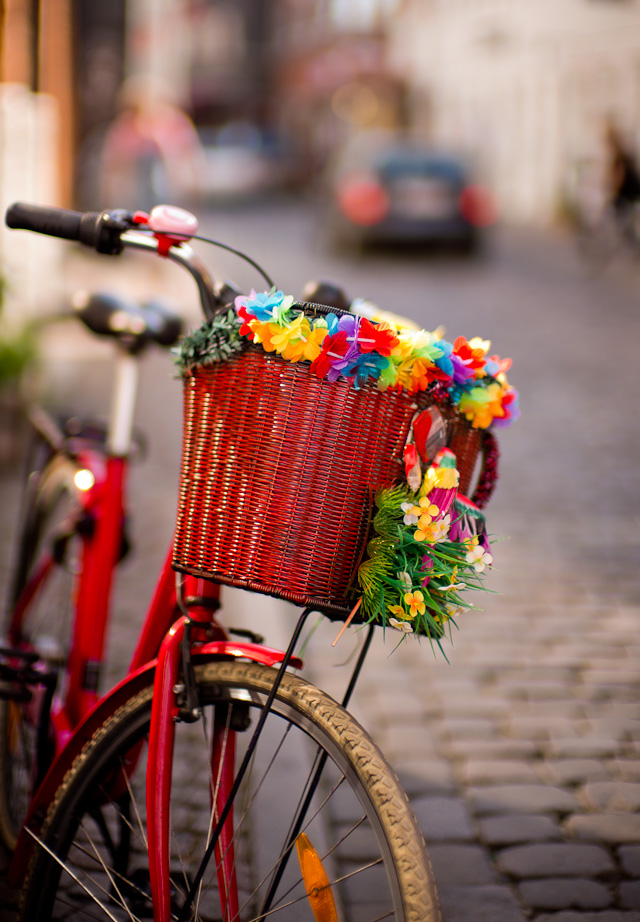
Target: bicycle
x=604, y=231
x=90, y=844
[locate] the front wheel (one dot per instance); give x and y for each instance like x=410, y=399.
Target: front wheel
x=358, y=834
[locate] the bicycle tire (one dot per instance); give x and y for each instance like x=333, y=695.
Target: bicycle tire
x=45, y=628
x=360, y=813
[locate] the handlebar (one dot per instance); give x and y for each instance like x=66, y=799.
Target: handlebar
x=165, y=232
x=110, y=232
x=99, y=230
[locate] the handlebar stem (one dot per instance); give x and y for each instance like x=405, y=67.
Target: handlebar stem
x=185, y=256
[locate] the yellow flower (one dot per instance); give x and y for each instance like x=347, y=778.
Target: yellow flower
x=312, y=346
x=301, y=342
x=426, y=511
x=415, y=601
x=446, y=478
x=292, y=331
x=434, y=531
x=428, y=508
x=398, y=611
x=405, y=345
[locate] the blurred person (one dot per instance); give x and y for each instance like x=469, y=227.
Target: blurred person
x=151, y=152
x=622, y=177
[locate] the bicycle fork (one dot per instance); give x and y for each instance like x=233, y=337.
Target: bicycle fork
x=173, y=701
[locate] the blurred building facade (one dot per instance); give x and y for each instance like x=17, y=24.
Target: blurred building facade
x=331, y=73
x=523, y=87
x=36, y=141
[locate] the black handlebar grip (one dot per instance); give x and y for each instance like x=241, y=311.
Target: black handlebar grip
x=99, y=230
x=56, y=222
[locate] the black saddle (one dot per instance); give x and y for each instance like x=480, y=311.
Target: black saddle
x=134, y=325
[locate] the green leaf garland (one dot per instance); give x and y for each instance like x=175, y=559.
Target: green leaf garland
x=215, y=341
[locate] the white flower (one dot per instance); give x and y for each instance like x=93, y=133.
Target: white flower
x=410, y=517
x=405, y=579
x=440, y=529
x=452, y=586
x=479, y=558
x=453, y=610
x=403, y=626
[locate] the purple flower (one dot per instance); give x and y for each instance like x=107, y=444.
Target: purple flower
x=350, y=323
x=339, y=365
x=461, y=371
x=510, y=407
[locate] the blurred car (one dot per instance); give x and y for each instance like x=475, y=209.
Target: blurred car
x=397, y=191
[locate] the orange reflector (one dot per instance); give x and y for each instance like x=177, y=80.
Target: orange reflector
x=14, y=719
x=316, y=881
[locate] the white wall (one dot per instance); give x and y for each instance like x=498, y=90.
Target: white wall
x=523, y=86
x=29, y=262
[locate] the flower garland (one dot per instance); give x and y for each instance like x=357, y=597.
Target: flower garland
x=430, y=546
x=360, y=350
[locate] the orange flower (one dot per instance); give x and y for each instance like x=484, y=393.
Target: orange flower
x=415, y=601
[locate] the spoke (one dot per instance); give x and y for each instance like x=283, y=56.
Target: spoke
x=286, y=852
x=121, y=877
x=365, y=867
x=283, y=896
x=110, y=876
x=75, y=907
x=299, y=899
x=183, y=868
x=249, y=799
x=387, y=915
x=214, y=787
x=345, y=837
x=72, y=875
x=134, y=803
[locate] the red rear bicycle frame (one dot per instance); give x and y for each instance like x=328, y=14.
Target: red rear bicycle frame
x=101, y=509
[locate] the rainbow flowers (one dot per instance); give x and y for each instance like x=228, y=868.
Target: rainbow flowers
x=362, y=350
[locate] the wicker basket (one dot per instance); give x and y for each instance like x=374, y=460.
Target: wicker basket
x=466, y=444
x=279, y=469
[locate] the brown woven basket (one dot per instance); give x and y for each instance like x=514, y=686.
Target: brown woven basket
x=466, y=443
x=279, y=469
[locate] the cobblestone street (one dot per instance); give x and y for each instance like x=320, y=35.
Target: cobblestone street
x=521, y=755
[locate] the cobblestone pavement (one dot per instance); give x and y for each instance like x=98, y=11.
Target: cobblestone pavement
x=522, y=755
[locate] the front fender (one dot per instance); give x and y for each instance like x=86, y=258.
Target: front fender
x=130, y=686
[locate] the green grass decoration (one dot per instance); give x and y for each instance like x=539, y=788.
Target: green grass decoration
x=215, y=341
x=397, y=566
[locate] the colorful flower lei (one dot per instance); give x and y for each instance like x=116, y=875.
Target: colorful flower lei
x=360, y=349
x=430, y=547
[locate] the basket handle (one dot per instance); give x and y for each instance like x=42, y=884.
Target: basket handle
x=488, y=476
